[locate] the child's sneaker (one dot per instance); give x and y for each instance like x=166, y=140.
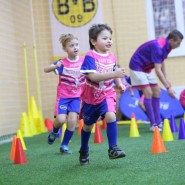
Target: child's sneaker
x=115, y=152
x=51, y=137
x=65, y=149
x=84, y=157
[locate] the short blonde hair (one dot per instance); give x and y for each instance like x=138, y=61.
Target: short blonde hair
x=65, y=38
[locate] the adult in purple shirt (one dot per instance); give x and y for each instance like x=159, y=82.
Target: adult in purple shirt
x=148, y=56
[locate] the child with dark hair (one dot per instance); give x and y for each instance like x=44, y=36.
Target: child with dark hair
x=99, y=96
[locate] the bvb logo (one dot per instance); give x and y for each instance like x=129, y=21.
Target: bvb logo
x=74, y=13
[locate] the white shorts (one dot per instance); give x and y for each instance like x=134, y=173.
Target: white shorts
x=139, y=78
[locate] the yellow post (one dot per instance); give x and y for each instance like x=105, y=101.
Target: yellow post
x=26, y=73
x=37, y=78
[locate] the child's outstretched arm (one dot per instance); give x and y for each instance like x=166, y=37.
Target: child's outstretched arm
x=52, y=67
x=97, y=77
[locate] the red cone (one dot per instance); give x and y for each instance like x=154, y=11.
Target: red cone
x=98, y=138
x=80, y=122
x=104, y=124
x=20, y=157
x=48, y=124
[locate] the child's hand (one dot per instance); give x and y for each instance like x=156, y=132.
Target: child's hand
x=121, y=88
x=119, y=73
x=59, y=63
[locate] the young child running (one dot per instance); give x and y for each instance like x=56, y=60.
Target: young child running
x=69, y=89
x=99, y=97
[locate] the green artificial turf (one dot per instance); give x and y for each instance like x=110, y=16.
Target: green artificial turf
x=46, y=166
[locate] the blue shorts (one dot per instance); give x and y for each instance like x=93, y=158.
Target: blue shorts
x=66, y=105
x=91, y=113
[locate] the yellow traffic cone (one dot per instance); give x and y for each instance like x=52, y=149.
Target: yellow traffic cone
x=167, y=134
x=33, y=108
x=63, y=131
x=93, y=129
x=32, y=124
x=42, y=124
x=133, y=128
x=35, y=114
x=25, y=126
x=19, y=135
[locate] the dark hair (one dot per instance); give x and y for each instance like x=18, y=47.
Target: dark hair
x=175, y=35
x=95, y=30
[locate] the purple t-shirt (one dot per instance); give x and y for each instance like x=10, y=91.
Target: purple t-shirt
x=149, y=53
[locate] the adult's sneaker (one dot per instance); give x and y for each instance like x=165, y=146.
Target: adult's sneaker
x=152, y=128
x=115, y=152
x=51, y=137
x=160, y=126
x=84, y=157
x=65, y=149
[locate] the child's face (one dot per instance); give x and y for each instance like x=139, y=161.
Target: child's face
x=175, y=43
x=72, y=48
x=103, y=42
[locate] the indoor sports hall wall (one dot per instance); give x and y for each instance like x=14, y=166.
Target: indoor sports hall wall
x=29, y=21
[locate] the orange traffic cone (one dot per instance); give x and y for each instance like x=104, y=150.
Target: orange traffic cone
x=158, y=145
x=12, y=153
x=104, y=124
x=20, y=157
x=48, y=124
x=80, y=122
x=98, y=138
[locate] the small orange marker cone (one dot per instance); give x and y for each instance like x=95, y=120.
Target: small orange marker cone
x=158, y=145
x=80, y=122
x=20, y=157
x=12, y=153
x=98, y=138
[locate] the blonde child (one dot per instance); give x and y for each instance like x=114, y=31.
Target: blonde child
x=69, y=90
